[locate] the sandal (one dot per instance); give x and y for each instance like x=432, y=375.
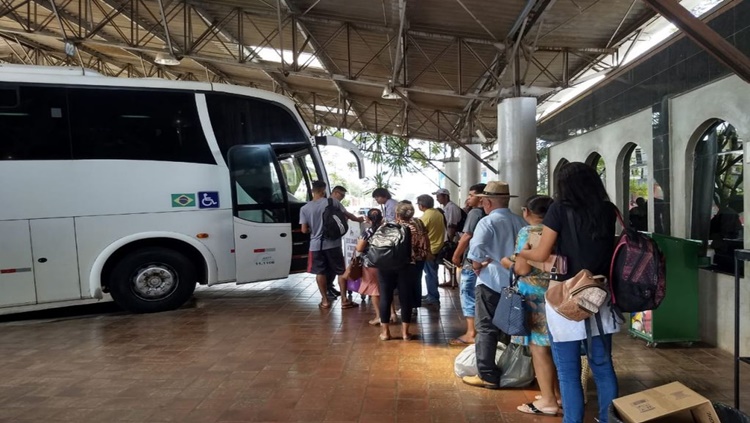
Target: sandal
x=324, y=306
x=530, y=408
x=559, y=402
x=349, y=304
x=408, y=337
x=384, y=337
x=374, y=322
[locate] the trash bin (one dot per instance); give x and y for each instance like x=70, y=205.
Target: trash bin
x=676, y=319
x=726, y=414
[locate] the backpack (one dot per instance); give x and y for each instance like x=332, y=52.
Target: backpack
x=638, y=277
x=335, y=223
x=390, y=247
x=462, y=222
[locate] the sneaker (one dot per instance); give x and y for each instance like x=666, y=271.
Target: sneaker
x=478, y=382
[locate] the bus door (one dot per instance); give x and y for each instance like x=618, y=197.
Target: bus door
x=262, y=232
x=299, y=170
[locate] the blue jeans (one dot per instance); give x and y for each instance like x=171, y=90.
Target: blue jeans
x=431, y=280
x=567, y=357
x=468, y=296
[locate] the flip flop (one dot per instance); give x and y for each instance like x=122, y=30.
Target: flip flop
x=559, y=402
x=324, y=306
x=530, y=408
x=349, y=305
x=384, y=338
x=458, y=342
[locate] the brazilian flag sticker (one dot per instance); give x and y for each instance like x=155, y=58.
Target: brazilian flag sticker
x=183, y=200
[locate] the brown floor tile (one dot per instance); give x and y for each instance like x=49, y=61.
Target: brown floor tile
x=265, y=352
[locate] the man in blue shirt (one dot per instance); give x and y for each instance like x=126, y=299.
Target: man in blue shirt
x=494, y=238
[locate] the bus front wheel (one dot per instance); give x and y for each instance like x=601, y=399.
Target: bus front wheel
x=152, y=279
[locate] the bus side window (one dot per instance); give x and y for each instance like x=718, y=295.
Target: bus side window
x=33, y=123
x=127, y=124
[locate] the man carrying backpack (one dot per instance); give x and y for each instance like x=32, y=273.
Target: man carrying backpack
x=324, y=219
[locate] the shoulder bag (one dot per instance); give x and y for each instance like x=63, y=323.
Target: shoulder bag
x=510, y=314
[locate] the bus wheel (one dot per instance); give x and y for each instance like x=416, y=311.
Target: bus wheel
x=152, y=279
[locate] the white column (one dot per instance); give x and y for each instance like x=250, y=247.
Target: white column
x=471, y=173
x=516, y=141
x=451, y=169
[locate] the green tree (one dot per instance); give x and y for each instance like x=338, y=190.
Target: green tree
x=729, y=169
x=392, y=156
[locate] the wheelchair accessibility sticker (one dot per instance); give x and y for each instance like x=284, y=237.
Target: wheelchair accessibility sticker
x=208, y=200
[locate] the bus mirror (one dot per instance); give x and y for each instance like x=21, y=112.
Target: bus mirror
x=348, y=145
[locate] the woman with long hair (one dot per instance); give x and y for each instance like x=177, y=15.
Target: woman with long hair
x=533, y=283
x=369, y=285
x=404, y=278
x=581, y=215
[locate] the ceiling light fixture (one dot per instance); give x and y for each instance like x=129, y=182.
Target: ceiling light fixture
x=166, y=59
x=388, y=93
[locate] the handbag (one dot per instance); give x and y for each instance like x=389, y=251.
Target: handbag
x=579, y=297
x=354, y=269
x=510, y=313
x=555, y=265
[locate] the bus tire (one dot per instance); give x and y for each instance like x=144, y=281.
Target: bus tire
x=152, y=279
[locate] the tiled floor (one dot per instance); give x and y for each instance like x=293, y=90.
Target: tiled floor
x=265, y=352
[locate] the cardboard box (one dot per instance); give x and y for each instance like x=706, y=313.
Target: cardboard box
x=673, y=402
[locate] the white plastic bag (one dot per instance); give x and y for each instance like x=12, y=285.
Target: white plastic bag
x=466, y=361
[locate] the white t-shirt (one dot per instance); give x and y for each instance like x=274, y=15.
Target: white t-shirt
x=564, y=330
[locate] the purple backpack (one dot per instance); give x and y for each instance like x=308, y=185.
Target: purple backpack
x=638, y=276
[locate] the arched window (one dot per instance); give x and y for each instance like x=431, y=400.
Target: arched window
x=635, y=186
x=559, y=166
x=596, y=161
x=718, y=196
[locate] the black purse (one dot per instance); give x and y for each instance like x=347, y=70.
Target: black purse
x=510, y=314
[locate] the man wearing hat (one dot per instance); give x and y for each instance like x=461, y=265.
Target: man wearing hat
x=494, y=238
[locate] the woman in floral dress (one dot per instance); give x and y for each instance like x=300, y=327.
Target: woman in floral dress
x=533, y=283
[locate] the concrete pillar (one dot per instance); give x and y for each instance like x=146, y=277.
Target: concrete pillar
x=516, y=141
x=471, y=172
x=450, y=167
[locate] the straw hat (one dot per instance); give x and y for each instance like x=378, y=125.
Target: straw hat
x=496, y=189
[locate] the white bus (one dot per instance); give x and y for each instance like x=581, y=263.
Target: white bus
x=140, y=188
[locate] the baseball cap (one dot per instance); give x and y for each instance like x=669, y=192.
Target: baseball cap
x=442, y=191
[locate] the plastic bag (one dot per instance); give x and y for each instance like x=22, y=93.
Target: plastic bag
x=466, y=361
x=515, y=366
x=353, y=285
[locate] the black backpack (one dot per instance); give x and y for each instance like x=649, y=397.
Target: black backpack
x=390, y=247
x=462, y=222
x=335, y=224
x=638, y=276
